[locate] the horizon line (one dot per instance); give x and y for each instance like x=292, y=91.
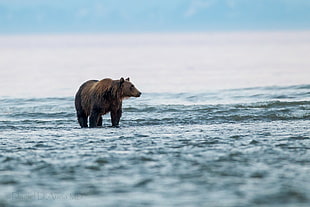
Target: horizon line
x=231, y=31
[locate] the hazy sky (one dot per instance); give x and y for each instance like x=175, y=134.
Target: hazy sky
x=89, y=16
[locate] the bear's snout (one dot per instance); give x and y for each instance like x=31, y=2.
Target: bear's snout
x=138, y=94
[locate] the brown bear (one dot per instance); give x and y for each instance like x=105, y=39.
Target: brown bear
x=96, y=98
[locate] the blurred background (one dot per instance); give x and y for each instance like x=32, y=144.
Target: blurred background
x=92, y=16
x=48, y=47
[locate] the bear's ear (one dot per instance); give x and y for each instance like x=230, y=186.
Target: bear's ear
x=121, y=81
x=127, y=79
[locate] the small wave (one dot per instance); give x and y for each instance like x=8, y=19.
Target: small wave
x=304, y=86
x=39, y=115
x=275, y=104
x=272, y=88
x=287, y=195
x=205, y=114
x=299, y=138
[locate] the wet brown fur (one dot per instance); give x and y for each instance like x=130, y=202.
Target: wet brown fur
x=96, y=98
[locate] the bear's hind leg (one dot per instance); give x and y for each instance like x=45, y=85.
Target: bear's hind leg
x=99, y=123
x=82, y=119
x=94, y=119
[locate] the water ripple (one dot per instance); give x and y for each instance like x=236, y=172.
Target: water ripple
x=249, y=146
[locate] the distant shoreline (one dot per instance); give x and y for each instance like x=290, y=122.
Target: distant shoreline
x=171, y=62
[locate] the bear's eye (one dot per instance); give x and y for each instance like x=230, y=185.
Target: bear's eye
x=132, y=86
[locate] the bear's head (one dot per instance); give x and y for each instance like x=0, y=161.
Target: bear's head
x=128, y=89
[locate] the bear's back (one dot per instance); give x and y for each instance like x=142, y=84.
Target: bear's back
x=102, y=86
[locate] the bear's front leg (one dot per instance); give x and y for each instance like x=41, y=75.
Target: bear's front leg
x=115, y=117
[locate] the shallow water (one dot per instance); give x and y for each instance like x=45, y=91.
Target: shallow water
x=235, y=147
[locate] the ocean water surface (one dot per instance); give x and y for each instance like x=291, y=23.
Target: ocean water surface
x=177, y=149
x=179, y=144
